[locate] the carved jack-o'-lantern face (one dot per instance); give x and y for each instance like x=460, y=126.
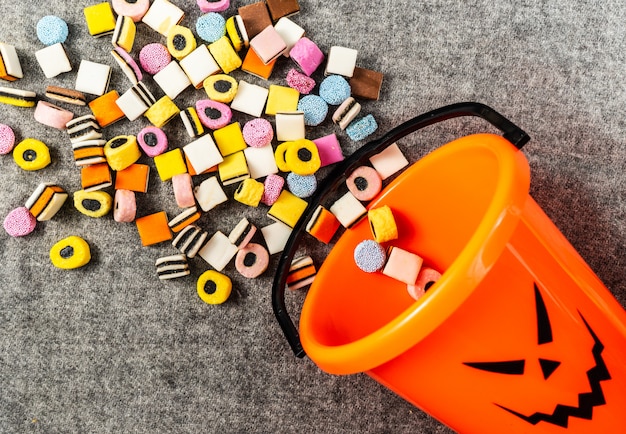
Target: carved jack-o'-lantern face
x=587, y=400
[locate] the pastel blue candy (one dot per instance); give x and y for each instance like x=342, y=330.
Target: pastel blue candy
x=335, y=89
x=52, y=30
x=210, y=27
x=301, y=185
x=361, y=128
x=315, y=109
x=369, y=256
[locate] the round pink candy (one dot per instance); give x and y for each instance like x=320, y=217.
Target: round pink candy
x=134, y=9
x=154, y=57
x=213, y=6
x=124, y=206
x=364, y=183
x=273, y=185
x=7, y=139
x=20, y=222
x=252, y=260
x=152, y=141
x=258, y=133
x=426, y=277
x=213, y=114
x=307, y=55
x=300, y=82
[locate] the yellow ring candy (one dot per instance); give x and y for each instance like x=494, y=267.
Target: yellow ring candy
x=93, y=203
x=220, y=87
x=31, y=154
x=180, y=42
x=69, y=253
x=214, y=287
x=121, y=152
x=302, y=157
x=279, y=156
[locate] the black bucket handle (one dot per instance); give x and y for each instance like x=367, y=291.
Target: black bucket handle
x=510, y=131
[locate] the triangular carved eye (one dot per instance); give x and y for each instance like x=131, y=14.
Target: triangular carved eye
x=548, y=367
x=510, y=367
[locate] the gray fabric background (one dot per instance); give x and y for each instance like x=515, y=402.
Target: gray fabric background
x=109, y=348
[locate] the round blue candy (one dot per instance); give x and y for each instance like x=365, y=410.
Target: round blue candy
x=52, y=30
x=335, y=89
x=210, y=27
x=370, y=256
x=315, y=109
x=301, y=185
x=361, y=128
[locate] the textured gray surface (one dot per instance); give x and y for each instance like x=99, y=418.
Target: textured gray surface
x=108, y=348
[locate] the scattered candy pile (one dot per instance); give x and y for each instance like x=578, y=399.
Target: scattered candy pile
x=262, y=157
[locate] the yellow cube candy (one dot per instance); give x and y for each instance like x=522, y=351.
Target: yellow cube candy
x=170, y=164
x=281, y=99
x=382, y=224
x=250, y=192
x=162, y=111
x=100, y=19
x=225, y=55
x=229, y=139
x=287, y=209
x=234, y=168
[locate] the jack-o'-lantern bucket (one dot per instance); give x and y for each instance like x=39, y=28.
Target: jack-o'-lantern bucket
x=517, y=336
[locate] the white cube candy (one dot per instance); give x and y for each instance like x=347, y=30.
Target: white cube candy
x=209, y=194
x=53, y=60
x=172, y=79
x=389, y=161
x=11, y=62
x=341, y=61
x=93, y=78
x=250, y=99
x=402, y=265
x=218, y=251
x=135, y=101
x=348, y=210
x=162, y=16
x=276, y=236
x=261, y=161
x=289, y=126
x=290, y=32
x=198, y=65
x=203, y=153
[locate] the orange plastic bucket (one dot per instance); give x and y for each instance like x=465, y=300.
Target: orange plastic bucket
x=518, y=335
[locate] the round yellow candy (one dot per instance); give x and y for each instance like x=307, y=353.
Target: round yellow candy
x=93, y=203
x=180, y=42
x=302, y=157
x=214, y=287
x=121, y=152
x=69, y=253
x=221, y=87
x=31, y=154
x=279, y=156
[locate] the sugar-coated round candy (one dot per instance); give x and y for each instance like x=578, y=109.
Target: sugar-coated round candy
x=124, y=206
x=364, y=183
x=134, y=9
x=252, y=260
x=300, y=82
x=52, y=30
x=7, y=139
x=154, y=57
x=369, y=256
x=362, y=128
x=258, y=133
x=314, y=108
x=69, y=253
x=272, y=187
x=335, y=89
x=213, y=287
x=425, y=279
x=302, y=186
x=152, y=141
x=211, y=26
x=213, y=5
x=213, y=114
x=31, y=154
x=19, y=222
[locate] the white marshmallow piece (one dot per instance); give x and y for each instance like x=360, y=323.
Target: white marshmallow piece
x=250, y=99
x=209, y=194
x=290, y=32
x=203, y=153
x=341, y=61
x=348, y=210
x=403, y=265
x=53, y=60
x=261, y=161
x=11, y=61
x=198, y=65
x=132, y=104
x=218, y=251
x=172, y=79
x=162, y=16
x=389, y=161
x=289, y=126
x=276, y=236
x=93, y=78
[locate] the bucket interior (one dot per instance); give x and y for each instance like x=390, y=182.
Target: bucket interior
x=438, y=204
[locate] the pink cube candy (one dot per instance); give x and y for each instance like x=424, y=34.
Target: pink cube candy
x=307, y=55
x=329, y=149
x=402, y=265
x=268, y=44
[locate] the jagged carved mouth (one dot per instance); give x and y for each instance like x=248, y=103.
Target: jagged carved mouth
x=562, y=413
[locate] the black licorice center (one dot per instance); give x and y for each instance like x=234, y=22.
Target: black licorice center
x=210, y=287
x=222, y=86
x=118, y=142
x=91, y=204
x=361, y=183
x=29, y=155
x=304, y=154
x=249, y=260
x=180, y=42
x=150, y=139
x=132, y=2
x=428, y=285
x=212, y=113
x=66, y=252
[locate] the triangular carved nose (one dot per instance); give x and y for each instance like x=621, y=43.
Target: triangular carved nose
x=548, y=367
